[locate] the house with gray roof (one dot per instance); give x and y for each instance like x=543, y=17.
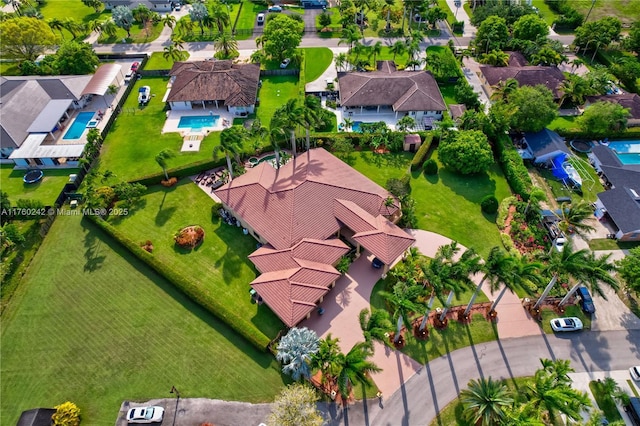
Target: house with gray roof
x=214, y=84
x=387, y=90
x=542, y=146
x=550, y=77
x=630, y=101
x=621, y=201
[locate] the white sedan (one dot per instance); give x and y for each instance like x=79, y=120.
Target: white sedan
x=566, y=324
x=145, y=415
x=635, y=373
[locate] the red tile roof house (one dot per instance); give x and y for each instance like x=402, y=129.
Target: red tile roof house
x=387, y=90
x=299, y=212
x=203, y=84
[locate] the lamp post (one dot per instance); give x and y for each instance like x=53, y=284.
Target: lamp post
x=175, y=412
x=175, y=391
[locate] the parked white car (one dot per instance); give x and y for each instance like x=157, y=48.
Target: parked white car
x=145, y=414
x=285, y=63
x=144, y=94
x=566, y=324
x=635, y=373
x=260, y=18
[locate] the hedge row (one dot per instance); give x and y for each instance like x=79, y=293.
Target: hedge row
x=503, y=211
x=513, y=167
x=238, y=323
x=421, y=154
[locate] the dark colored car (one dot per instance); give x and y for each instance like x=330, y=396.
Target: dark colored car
x=377, y=263
x=586, y=302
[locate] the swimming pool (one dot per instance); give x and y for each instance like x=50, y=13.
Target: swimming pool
x=76, y=129
x=355, y=127
x=628, y=152
x=198, y=122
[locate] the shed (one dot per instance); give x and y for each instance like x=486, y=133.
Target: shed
x=36, y=417
x=544, y=145
x=412, y=142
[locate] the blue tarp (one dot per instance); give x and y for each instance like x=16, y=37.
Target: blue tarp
x=557, y=169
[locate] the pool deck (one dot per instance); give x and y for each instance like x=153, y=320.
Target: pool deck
x=174, y=116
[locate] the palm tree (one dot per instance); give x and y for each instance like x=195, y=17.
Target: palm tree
x=296, y=350
x=73, y=26
x=109, y=28
x=226, y=43
x=197, y=14
x=388, y=5
x=574, y=89
x=355, y=367
x=327, y=357
x=568, y=261
x=375, y=324
x=348, y=122
x=56, y=24
x=220, y=16
x=496, y=269
x=172, y=52
x=485, y=401
x=208, y=23
x=403, y=301
x=503, y=89
x=521, y=415
x=162, y=158
x=311, y=116
x=95, y=26
x=599, y=271
x=575, y=218
x=341, y=61
x=398, y=48
x=406, y=123
x=497, y=58
x=288, y=117
x=231, y=140
x=349, y=36
x=376, y=50
x=123, y=18
x=169, y=21
x=459, y=281
x=521, y=271
x=275, y=133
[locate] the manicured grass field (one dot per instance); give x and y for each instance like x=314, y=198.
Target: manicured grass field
x=448, y=203
x=62, y=9
x=275, y=92
x=448, y=92
x=545, y=12
x=45, y=191
x=158, y=62
x=219, y=264
x=564, y=123
x=138, y=35
x=94, y=326
x=134, y=140
x=607, y=244
x=628, y=11
x=316, y=61
x=247, y=19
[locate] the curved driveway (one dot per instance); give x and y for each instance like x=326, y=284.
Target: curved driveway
x=438, y=383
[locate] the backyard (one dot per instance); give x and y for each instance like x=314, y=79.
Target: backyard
x=275, y=91
x=247, y=19
x=447, y=203
x=46, y=191
x=92, y=325
x=157, y=61
x=628, y=11
x=219, y=265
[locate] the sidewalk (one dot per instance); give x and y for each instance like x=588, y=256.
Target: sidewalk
x=461, y=15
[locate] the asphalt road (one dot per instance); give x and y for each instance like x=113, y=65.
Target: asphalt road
x=440, y=381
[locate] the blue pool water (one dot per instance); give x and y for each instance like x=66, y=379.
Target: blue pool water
x=197, y=122
x=79, y=124
x=355, y=127
x=628, y=152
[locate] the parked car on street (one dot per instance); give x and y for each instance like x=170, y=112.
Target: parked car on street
x=129, y=76
x=144, y=94
x=145, y=414
x=134, y=66
x=275, y=8
x=285, y=63
x=586, y=302
x=635, y=373
x=566, y=324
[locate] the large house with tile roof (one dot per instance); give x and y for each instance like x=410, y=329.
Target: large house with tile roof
x=550, y=77
x=387, y=90
x=630, y=101
x=301, y=213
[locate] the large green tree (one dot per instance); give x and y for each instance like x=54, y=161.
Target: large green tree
x=123, y=17
x=485, y=401
x=530, y=27
x=493, y=34
x=629, y=269
x=603, y=119
x=26, y=38
x=466, y=152
x=534, y=108
x=76, y=58
x=295, y=406
x=632, y=41
x=597, y=34
x=282, y=36
x=231, y=141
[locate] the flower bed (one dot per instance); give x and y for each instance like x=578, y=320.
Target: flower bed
x=189, y=237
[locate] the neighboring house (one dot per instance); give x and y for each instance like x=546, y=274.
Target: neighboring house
x=387, y=90
x=550, y=77
x=214, y=84
x=456, y=111
x=299, y=213
x=36, y=110
x=542, y=146
x=154, y=5
x=631, y=101
x=621, y=202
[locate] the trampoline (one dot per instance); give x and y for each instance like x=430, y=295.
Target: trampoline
x=581, y=146
x=33, y=176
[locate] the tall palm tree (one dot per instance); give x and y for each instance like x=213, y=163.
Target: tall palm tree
x=276, y=134
x=311, y=116
x=220, y=16
x=497, y=58
x=521, y=272
x=172, y=52
x=387, y=7
x=435, y=274
x=468, y=264
x=288, y=117
x=162, y=158
x=109, y=28
x=374, y=324
x=376, y=50
x=95, y=26
x=231, y=140
x=198, y=13
x=349, y=36
x=225, y=42
x=485, y=401
x=169, y=20
x=354, y=367
x=341, y=61
x=503, y=89
x=348, y=122
x=521, y=415
x=496, y=269
x=599, y=271
x=403, y=300
x=327, y=358
x=574, y=89
x=398, y=48
x=56, y=25
x=576, y=218
x=568, y=261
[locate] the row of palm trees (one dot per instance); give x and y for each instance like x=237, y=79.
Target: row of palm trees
x=420, y=281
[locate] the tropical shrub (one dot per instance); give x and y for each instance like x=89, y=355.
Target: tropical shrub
x=430, y=167
x=67, y=414
x=489, y=204
x=466, y=152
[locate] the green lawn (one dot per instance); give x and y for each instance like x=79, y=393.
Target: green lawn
x=628, y=11
x=607, y=244
x=448, y=92
x=138, y=35
x=448, y=203
x=94, y=326
x=247, y=19
x=316, y=61
x=134, y=140
x=275, y=92
x=158, y=62
x=545, y=12
x=385, y=55
x=564, y=123
x=73, y=9
x=219, y=265
x=9, y=68
x=605, y=401
x=45, y=191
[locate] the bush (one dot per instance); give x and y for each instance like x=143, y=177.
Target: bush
x=430, y=167
x=67, y=414
x=421, y=154
x=399, y=187
x=513, y=167
x=241, y=325
x=458, y=26
x=507, y=242
x=503, y=211
x=466, y=152
x=489, y=204
x=215, y=212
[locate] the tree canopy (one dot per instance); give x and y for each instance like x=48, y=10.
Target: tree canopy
x=598, y=33
x=629, y=269
x=603, y=119
x=493, y=34
x=26, y=38
x=533, y=108
x=295, y=406
x=633, y=39
x=466, y=151
x=75, y=58
x=530, y=27
x=282, y=36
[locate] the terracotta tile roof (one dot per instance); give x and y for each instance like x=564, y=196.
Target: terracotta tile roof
x=551, y=77
x=235, y=84
x=268, y=259
x=627, y=100
x=456, y=110
x=404, y=90
x=296, y=202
